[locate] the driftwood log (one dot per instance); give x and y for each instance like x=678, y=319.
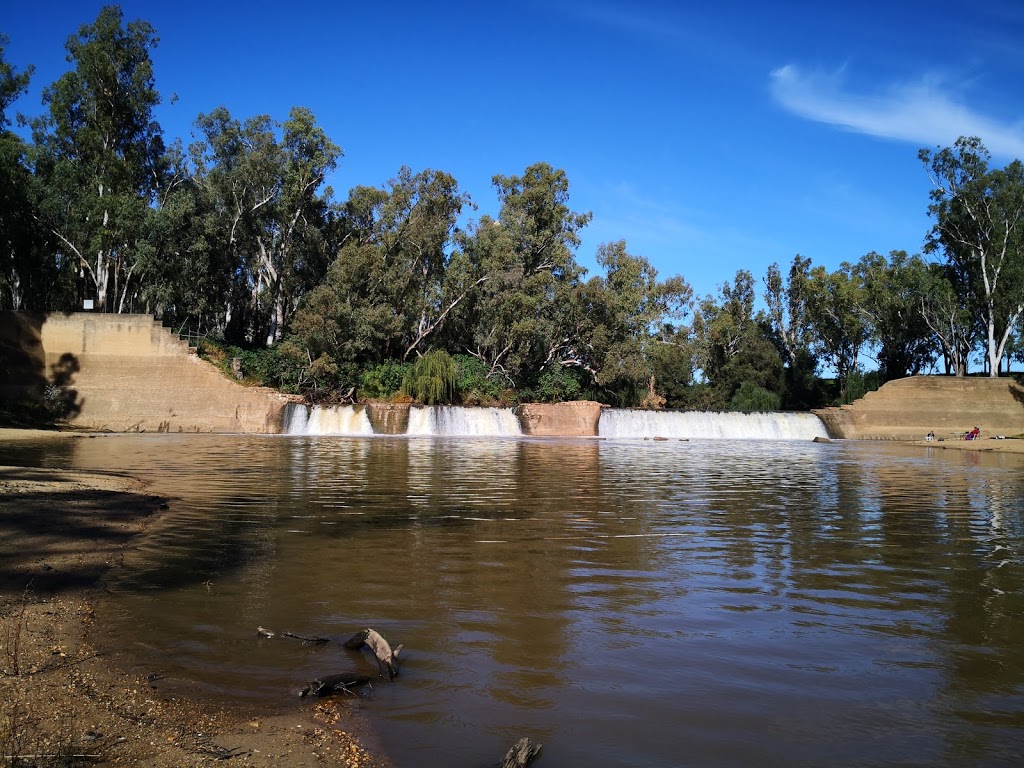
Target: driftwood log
x=315, y=640
x=522, y=753
x=264, y=632
x=328, y=685
x=387, y=659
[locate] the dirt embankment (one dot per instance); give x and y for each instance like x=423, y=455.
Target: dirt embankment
x=61, y=693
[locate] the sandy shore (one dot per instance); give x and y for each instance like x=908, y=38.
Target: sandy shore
x=61, y=691
x=1010, y=445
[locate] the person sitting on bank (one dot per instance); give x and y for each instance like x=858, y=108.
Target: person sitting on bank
x=974, y=434
x=929, y=437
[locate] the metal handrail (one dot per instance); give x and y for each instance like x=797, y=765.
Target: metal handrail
x=185, y=333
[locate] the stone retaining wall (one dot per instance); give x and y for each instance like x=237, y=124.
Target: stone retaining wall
x=129, y=374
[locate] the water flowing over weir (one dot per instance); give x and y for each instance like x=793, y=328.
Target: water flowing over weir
x=451, y=420
x=637, y=423
x=436, y=420
x=456, y=421
x=300, y=419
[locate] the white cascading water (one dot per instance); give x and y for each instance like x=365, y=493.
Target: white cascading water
x=455, y=421
x=326, y=420
x=722, y=425
x=451, y=420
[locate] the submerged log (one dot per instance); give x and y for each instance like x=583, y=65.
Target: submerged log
x=522, y=753
x=264, y=632
x=387, y=659
x=328, y=685
x=314, y=639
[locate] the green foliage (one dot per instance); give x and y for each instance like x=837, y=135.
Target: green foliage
x=859, y=384
x=557, y=385
x=433, y=379
x=626, y=319
x=382, y=380
x=238, y=235
x=803, y=389
x=893, y=291
x=286, y=367
x=524, y=305
x=698, y=397
x=787, y=317
x=735, y=344
x=474, y=385
x=979, y=228
x=839, y=327
x=261, y=182
x=100, y=154
x=753, y=397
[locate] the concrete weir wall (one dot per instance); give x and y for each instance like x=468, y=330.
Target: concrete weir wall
x=908, y=409
x=130, y=374
x=575, y=419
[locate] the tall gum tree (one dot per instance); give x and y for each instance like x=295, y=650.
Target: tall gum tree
x=395, y=279
x=979, y=226
x=100, y=153
x=891, y=305
x=528, y=255
x=944, y=309
x=733, y=347
x=267, y=191
x=16, y=209
x=629, y=312
x=840, y=329
x=786, y=299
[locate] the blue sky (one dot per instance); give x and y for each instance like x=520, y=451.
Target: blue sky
x=711, y=137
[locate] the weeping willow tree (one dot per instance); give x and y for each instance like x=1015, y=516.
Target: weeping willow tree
x=433, y=379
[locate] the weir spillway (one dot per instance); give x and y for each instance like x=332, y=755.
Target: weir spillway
x=614, y=423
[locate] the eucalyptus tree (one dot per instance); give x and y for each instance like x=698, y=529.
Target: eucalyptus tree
x=415, y=233
x=100, y=154
x=12, y=83
x=979, y=226
x=266, y=183
x=1015, y=348
x=840, y=329
x=528, y=257
x=890, y=302
x=945, y=309
x=189, y=260
x=395, y=279
x=733, y=342
x=786, y=298
x=629, y=315
x=20, y=258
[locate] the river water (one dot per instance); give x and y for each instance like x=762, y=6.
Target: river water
x=624, y=602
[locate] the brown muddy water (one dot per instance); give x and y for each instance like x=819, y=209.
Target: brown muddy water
x=715, y=603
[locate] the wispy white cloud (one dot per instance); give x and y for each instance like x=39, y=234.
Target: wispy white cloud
x=676, y=237
x=920, y=113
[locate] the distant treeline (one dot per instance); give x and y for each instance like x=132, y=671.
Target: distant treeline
x=238, y=237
